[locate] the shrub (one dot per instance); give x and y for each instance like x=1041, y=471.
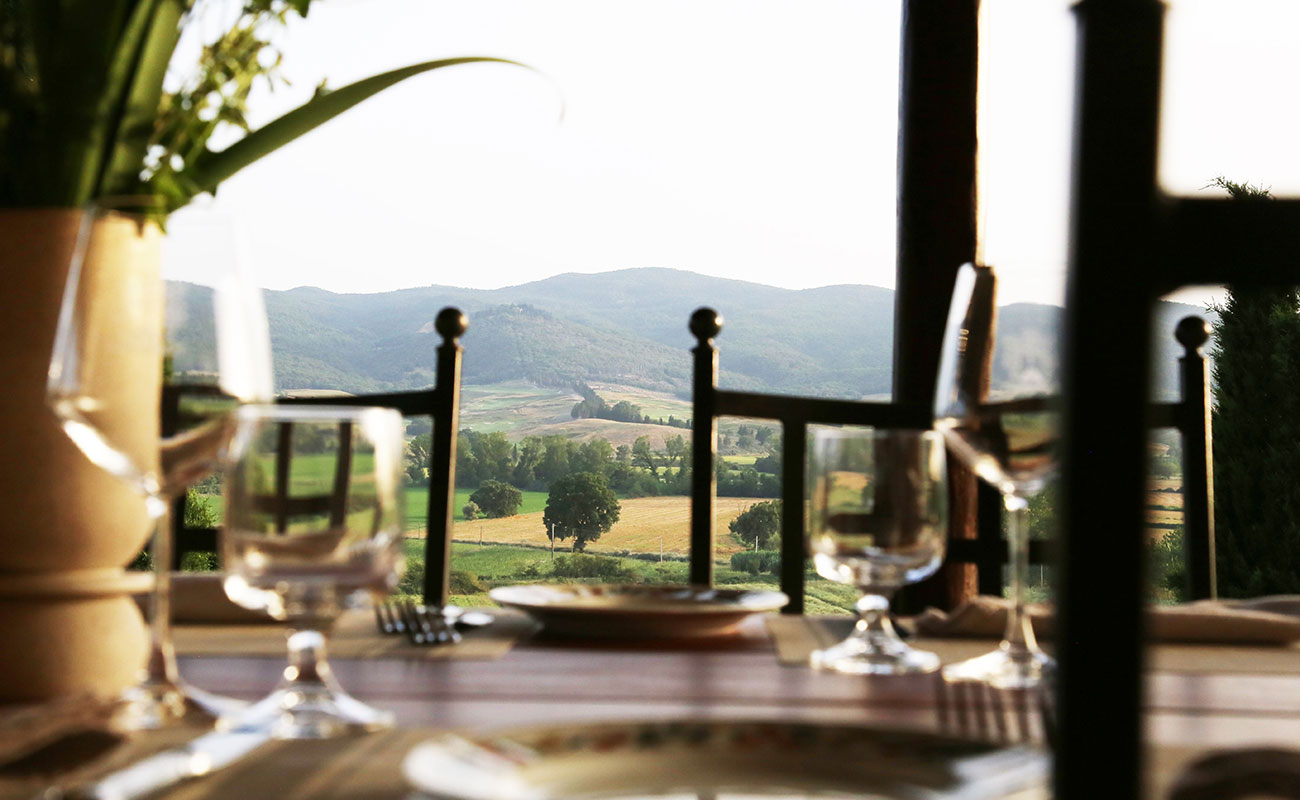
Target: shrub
x=497, y=499
x=463, y=582
x=199, y=561
x=582, y=565
x=754, y=562
x=1166, y=565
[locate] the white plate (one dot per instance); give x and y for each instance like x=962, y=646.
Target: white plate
x=721, y=759
x=635, y=611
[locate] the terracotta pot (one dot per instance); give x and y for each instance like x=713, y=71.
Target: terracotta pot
x=68, y=623
x=70, y=633
x=57, y=510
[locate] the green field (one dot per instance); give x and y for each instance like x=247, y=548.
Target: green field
x=417, y=508
x=504, y=565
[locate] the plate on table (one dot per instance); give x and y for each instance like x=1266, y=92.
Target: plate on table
x=634, y=611
x=726, y=760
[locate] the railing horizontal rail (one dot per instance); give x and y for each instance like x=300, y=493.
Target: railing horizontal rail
x=811, y=410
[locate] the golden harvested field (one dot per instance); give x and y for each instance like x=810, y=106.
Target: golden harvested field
x=1159, y=516
x=1168, y=499
x=642, y=522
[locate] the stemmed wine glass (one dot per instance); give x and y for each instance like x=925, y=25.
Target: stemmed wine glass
x=878, y=521
x=209, y=334
x=1007, y=437
x=313, y=526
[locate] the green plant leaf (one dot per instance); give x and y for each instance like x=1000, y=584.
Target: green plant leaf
x=141, y=65
x=214, y=167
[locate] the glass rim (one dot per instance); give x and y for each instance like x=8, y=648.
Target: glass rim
x=863, y=431
x=290, y=412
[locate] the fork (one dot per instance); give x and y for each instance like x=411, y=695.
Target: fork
x=423, y=625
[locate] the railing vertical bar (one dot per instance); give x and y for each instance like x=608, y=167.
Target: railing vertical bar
x=1198, y=461
x=794, y=444
x=705, y=324
x=993, y=547
x=450, y=324
x=283, y=457
x=342, y=477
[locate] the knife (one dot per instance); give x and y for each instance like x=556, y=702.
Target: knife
x=208, y=753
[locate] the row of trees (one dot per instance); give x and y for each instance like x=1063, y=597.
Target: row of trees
x=593, y=406
x=534, y=463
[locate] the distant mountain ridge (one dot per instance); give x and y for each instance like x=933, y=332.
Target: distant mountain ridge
x=626, y=327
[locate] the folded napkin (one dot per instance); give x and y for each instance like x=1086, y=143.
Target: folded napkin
x=1270, y=620
x=198, y=597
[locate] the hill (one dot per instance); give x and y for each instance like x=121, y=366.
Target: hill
x=627, y=327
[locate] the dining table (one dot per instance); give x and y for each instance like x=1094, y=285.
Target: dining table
x=1199, y=698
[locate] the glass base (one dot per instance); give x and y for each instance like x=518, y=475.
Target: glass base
x=858, y=656
x=309, y=711
x=1004, y=668
x=160, y=704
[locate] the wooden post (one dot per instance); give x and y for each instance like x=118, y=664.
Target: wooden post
x=1198, y=461
x=705, y=324
x=794, y=447
x=1114, y=248
x=451, y=325
x=936, y=229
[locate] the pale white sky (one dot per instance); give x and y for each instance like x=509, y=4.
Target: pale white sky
x=749, y=139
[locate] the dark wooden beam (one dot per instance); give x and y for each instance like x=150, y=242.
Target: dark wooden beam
x=1221, y=241
x=1114, y=233
x=938, y=81
x=936, y=185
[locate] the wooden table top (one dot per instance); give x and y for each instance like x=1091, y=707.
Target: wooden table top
x=546, y=680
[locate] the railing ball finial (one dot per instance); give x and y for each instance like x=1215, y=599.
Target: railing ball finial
x=705, y=324
x=451, y=323
x=1192, y=332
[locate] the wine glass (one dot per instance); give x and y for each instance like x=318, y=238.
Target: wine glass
x=1007, y=436
x=209, y=334
x=313, y=526
x=878, y=521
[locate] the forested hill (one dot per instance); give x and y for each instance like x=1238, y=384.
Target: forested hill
x=627, y=327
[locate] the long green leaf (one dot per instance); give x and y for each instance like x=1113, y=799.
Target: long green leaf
x=143, y=68
x=214, y=167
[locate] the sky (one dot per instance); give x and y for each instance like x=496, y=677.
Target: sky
x=747, y=139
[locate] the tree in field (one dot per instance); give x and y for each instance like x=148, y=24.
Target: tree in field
x=596, y=455
x=416, y=462
x=677, y=449
x=758, y=524
x=582, y=506
x=529, y=456
x=643, y=456
x=470, y=510
x=1256, y=356
x=497, y=499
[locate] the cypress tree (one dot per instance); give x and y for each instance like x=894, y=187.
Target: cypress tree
x=1256, y=419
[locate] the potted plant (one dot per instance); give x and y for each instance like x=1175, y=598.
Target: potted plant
x=85, y=113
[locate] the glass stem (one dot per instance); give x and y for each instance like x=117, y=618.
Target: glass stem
x=1019, y=641
x=161, y=668
x=307, y=665
x=873, y=623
